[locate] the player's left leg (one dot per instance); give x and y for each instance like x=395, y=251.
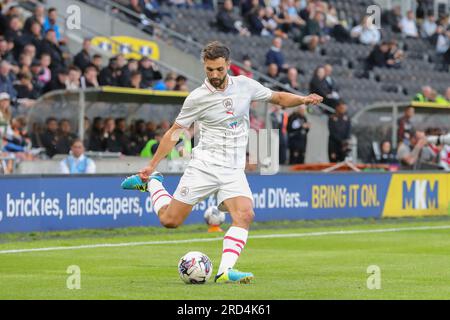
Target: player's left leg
x=241, y=211
x=236, y=196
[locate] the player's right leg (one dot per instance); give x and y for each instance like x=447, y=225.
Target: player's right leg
x=171, y=212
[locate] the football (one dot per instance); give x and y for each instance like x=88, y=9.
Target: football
x=213, y=216
x=195, y=268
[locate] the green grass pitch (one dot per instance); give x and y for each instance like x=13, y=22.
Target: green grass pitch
x=414, y=264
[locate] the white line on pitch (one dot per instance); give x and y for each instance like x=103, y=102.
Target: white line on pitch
x=263, y=236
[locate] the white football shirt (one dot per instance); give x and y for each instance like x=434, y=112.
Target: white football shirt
x=223, y=118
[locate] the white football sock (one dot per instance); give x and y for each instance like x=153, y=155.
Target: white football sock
x=158, y=194
x=233, y=243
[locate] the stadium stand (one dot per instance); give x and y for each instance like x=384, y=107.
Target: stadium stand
x=359, y=77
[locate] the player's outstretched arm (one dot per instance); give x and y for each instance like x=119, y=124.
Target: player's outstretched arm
x=289, y=100
x=167, y=143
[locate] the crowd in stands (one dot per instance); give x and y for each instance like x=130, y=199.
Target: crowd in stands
x=34, y=59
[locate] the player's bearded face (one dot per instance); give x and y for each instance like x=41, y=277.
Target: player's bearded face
x=216, y=71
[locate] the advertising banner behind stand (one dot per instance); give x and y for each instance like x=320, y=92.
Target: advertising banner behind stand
x=44, y=203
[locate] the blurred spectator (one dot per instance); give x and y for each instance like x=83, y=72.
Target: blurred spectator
x=50, y=23
x=429, y=27
x=366, y=32
x=297, y=128
x=16, y=138
x=408, y=154
x=25, y=88
x=429, y=157
x=151, y=128
x=51, y=46
x=49, y=137
x=314, y=33
x=33, y=36
x=245, y=70
x=331, y=83
x=270, y=24
x=45, y=75
x=5, y=52
x=127, y=70
x=149, y=71
x=279, y=120
x=405, y=125
x=5, y=108
x=408, y=25
x=152, y=145
x=275, y=55
x=168, y=84
x=90, y=77
x=226, y=22
x=255, y=20
x=272, y=73
x=6, y=79
x=73, y=78
x=83, y=59
x=425, y=96
x=96, y=139
x=181, y=83
x=14, y=33
x=59, y=82
x=38, y=16
x=395, y=55
x=339, y=126
x=441, y=40
x=109, y=76
x=122, y=136
x=65, y=137
x=385, y=155
x=111, y=143
x=136, y=80
x=139, y=137
x=77, y=162
x=291, y=79
x=321, y=86
x=334, y=27
x=378, y=57
x=288, y=19
x=97, y=62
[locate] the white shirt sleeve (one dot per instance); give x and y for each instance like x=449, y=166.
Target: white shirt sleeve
x=189, y=113
x=63, y=168
x=258, y=91
x=91, y=168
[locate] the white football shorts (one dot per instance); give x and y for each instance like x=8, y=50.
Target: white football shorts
x=201, y=179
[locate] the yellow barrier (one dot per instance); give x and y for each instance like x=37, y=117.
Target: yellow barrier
x=421, y=194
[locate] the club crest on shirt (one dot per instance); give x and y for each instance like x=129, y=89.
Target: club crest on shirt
x=228, y=105
x=184, y=191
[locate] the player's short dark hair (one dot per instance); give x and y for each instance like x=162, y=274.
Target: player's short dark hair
x=215, y=50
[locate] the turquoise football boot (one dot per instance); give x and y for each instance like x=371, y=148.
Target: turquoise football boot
x=234, y=276
x=135, y=182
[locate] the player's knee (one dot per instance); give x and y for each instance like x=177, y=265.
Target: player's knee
x=246, y=215
x=170, y=223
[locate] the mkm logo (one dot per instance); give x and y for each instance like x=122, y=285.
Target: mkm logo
x=420, y=194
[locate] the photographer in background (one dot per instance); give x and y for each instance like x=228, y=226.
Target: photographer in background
x=339, y=126
x=297, y=128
